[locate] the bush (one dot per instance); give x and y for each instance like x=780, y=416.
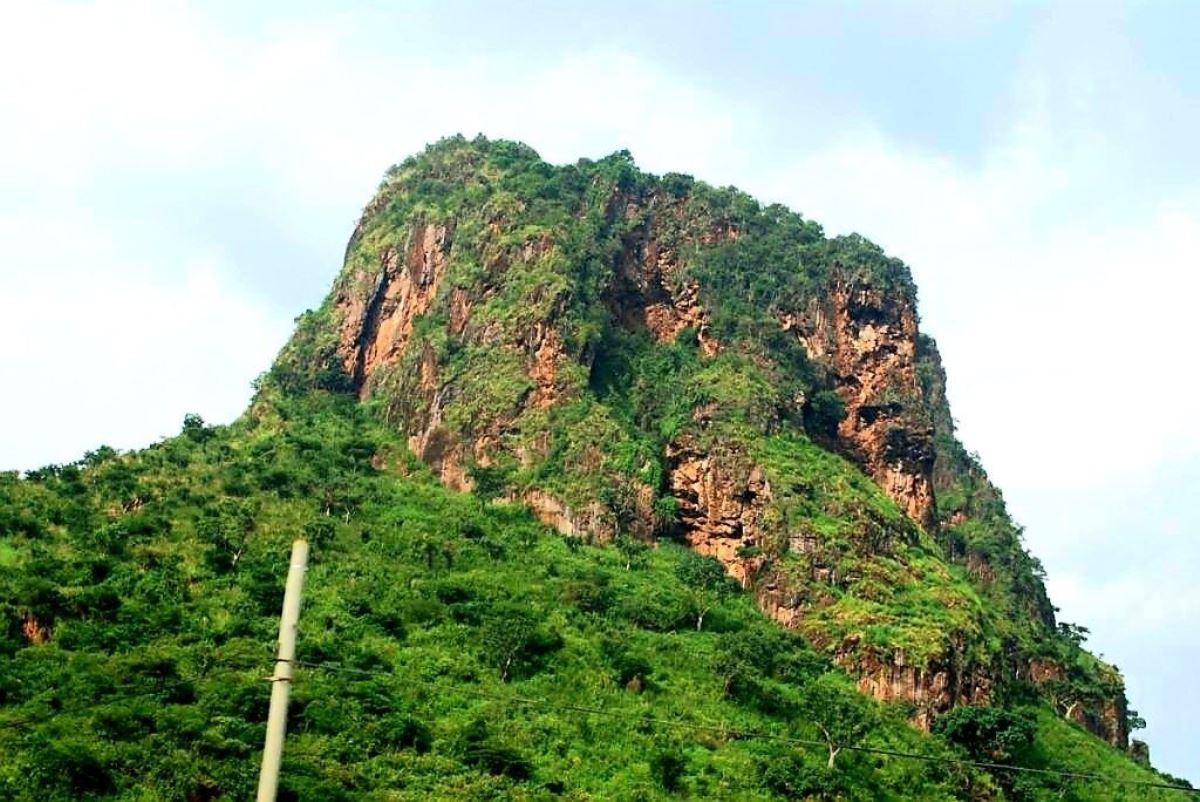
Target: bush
x=823, y=413
x=988, y=733
x=669, y=767
x=795, y=777
x=590, y=595
x=631, y=671
x=488, y=754
x=512, y=640
x=656, y=608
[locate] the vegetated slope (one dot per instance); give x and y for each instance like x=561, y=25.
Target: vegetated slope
x=452, y=643
x=640, y=361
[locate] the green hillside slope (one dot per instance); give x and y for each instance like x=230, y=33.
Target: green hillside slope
x=454, y=644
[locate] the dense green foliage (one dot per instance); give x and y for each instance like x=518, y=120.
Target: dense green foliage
x=141, y=595
x=156, y=580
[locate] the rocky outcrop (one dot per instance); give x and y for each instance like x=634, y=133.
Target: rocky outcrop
x=592, y=521
x=1106, y=720
x=868, y=341
x=865, y=340
x=931, y=687
x=479, y=329
x=649, y=291
x=377, y=307
x=721, y=498
x=1099, y=710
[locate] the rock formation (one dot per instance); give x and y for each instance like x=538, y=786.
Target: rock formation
x=497, y=310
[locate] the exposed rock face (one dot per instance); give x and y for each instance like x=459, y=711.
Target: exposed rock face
x=721, y=499
x=1042, y=671
x=649, y=291
x=869, y=342
x=866, y=340
x=590, y=522
x=376, y=324
x=1106, y=721
x=1102, y=715
x=932, y=688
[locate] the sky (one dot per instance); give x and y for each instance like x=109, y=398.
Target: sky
x=178, y=181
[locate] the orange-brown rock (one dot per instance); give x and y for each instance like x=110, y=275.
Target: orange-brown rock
x=869, y=341
x=377, y=323
x=1106, y=720
x=650, y=293
x=525, y=297
x=592, y=521
x=721, y=498
x=1103, y=717
x=932, y=688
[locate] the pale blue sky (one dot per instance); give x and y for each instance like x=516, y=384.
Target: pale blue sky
x=177, y=182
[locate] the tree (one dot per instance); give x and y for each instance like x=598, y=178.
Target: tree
x=706, y=581
x=1133, y=721
x=227, y=528
x=195, y=429
x=512, y=639
x=668, y=768
x=842, y=715
x=430, y=548
x=633, y=550
x=1073, y=632
x=101, y=455
x=1064, y=696
x=320, y=532
x=488, y=753
x=988, y=733
x=823, y=413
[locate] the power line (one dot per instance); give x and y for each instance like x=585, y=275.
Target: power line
x=755, y=734
x=722, y=730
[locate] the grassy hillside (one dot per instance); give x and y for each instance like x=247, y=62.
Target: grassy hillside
x=452, y=648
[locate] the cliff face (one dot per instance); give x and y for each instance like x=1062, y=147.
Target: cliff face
x=648, y=357
x=869, y=342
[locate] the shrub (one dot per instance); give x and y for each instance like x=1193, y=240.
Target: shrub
x=988, y=733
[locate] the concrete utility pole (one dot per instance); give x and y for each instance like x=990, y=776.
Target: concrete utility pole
x=281, y=680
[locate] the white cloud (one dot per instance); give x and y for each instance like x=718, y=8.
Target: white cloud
x=99, y=350
x=1068, y=338
x=1130, y=604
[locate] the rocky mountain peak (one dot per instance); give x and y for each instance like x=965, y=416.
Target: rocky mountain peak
x=646, y=357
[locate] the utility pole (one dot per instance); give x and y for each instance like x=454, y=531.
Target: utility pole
x=281, y=680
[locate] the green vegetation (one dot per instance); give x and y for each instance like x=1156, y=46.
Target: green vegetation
x=155, y=578
x=978, y=533
x=143, y=609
